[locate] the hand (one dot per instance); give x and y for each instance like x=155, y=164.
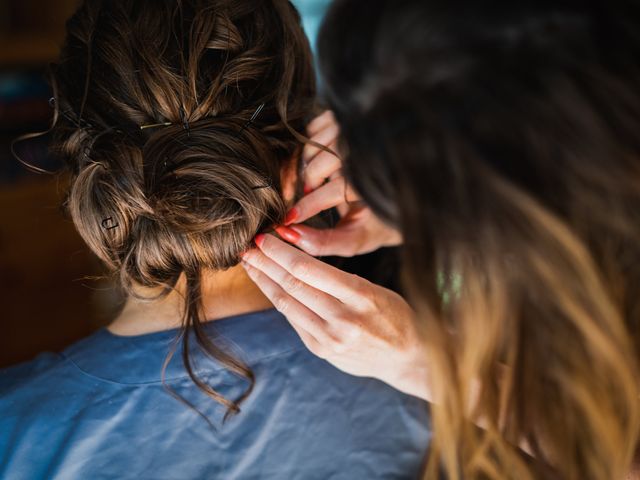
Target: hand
x=359, y=230
x=359, y=327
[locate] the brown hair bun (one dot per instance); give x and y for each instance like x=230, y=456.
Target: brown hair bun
x=171, y=172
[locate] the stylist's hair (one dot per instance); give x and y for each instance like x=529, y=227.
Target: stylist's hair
x=503, y=139
x=190, y=189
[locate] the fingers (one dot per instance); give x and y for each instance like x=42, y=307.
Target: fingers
x=309, y=326
x=320, y=122
x=327, y=196
x=315, y=300
x=330, y=280
x=338, y=241
x=322, y=130
x=321, y=167
x=326, y=137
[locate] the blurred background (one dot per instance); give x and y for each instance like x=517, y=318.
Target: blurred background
x=48, y=294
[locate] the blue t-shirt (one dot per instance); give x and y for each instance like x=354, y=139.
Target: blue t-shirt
x=99, y=410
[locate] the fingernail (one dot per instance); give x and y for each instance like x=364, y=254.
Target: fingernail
x=307, y=189
x=291, y=216
x=259, y=240
x=288, y=234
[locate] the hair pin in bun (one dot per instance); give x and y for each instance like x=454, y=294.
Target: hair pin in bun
x=252, y=119
x=109, y=224
x=268, y=184
x=187, y=127
x=185, y=121
x=154, y=125
x=78, y=122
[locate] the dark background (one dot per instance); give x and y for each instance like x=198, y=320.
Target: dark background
x=46, y=303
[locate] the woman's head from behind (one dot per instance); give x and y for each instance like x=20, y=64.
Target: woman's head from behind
x=502, y=138
x=177, y=119
x=154, y=199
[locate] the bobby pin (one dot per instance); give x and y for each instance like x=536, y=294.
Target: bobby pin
x=109, y=224
x=252, y=119
x=80, y=123
x=183, y=118
x=185, y=121
x=154, y=125
x=269, y=184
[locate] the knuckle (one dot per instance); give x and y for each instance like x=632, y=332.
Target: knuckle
x=315, y=347
x=353, y=334
x=339, y=346
x=362, y=294
x=280, y=303
x=350, y=334
x=300, y=267
x=339, y=317
x=369, y=303
x=291, y=284
x=319, y=351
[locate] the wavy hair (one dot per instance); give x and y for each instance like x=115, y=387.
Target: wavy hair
x=175, y=119
x=503, y=139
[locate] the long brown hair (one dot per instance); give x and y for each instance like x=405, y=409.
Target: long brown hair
x=176, y=118
x=503, y=139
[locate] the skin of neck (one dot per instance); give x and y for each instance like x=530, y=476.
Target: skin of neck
x=224, y=294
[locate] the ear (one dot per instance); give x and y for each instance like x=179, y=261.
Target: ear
x=289, y=178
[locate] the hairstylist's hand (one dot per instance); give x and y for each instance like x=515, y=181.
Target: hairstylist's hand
x=359, y=327
x=359, y=230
